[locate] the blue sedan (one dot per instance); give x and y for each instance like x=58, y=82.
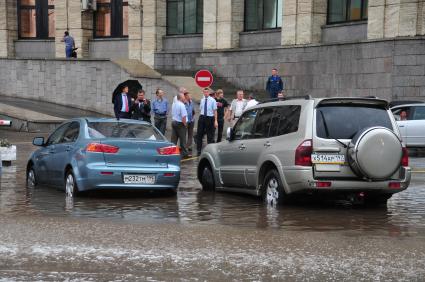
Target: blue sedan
x=88, y=154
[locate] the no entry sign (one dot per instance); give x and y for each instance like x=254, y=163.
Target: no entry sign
x=204, y=78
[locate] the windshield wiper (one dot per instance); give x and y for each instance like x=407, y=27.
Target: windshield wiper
x=327, y=131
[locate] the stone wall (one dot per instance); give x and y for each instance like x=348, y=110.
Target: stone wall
x=267, y=38
x=35, y=49
x=186, y=43
x=84, y=84
x=390, y=69
x=346, y=32
x=110, y=48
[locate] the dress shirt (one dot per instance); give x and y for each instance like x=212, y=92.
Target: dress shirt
x=160, y=107
x=211, y=106
x=124, y=99
x=179, y=111
x=189, y=110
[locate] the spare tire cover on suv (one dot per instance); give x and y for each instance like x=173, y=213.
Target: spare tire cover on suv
x=375, y=153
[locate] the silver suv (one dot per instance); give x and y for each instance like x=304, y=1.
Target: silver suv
x=351, y=146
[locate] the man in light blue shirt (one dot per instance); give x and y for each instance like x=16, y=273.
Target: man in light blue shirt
x=178, y=125
x=69, y=44
x=207, y=122
x=160, y=109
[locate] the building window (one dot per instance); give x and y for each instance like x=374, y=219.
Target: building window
x=36, y=19
x=111, y=18
x=185, y=16
x=263, y=14
x=340, y=11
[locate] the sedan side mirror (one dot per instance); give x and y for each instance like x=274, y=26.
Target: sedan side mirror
x=229, y=135
x=38, y=141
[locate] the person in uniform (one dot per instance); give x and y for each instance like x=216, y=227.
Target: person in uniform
x=207, y=122
x=274, y=84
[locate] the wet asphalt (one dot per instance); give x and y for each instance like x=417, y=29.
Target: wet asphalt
x=197, y=236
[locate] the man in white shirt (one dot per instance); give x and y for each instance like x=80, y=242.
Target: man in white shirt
x=178, y=125
x=237, y=107
x=251, y=102
x=207, y=121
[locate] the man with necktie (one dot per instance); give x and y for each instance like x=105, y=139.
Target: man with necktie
x=122, y=104
x=207, y=121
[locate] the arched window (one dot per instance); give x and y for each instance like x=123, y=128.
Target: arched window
x=36, y=19
x=340, y=11
x=185, y=16
x=263, y=14
x=111, y=18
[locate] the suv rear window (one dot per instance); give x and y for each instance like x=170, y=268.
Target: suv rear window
x=343, y=122
x=100, y=130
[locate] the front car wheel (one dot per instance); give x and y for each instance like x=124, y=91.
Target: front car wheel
x=31, y=179
x=207, y=179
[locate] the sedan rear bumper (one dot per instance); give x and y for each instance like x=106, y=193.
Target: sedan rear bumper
x=109, y=178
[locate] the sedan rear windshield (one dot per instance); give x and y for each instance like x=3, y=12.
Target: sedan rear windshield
x=343, y=122
x=100, y=130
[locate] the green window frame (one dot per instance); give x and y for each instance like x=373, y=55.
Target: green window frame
x=342, y=11
x=262, y=14
x=185, y=17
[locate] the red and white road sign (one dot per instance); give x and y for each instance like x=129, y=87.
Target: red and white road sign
x=5, y=122
x=204, y=78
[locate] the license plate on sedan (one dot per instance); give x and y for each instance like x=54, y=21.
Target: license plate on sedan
x=327, y=159
x=139, y=179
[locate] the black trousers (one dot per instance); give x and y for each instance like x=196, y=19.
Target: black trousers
x=205, y=126
x=179, y=133
x=161, y=123
x=220, y=130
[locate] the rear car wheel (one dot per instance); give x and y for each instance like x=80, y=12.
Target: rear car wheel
x=31, y=179
x=273, y=192
x=207, y=179
x=71, y=188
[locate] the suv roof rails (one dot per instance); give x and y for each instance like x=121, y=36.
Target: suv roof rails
x=306, y=97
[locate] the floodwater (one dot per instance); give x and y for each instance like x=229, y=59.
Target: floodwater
x=203, y=235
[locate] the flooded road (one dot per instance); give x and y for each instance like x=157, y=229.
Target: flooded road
x=203, y=236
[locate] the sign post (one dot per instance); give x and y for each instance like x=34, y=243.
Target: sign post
x=204, y=78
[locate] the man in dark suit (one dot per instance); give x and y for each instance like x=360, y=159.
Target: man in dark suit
x=141, y=109
x=122, y=104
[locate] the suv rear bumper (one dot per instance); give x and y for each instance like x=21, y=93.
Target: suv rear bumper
x=302, y=180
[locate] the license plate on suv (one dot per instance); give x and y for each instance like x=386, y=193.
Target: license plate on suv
x=327, y=159
x=139, y=179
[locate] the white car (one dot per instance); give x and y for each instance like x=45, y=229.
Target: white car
x=411, y=121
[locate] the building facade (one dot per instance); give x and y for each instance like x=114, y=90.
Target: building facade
x=323, y=47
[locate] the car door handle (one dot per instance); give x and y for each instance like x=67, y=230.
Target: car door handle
x=68, y=148
x=267, y=144
x=52, y=151
x=401, y=126
x=242, y=147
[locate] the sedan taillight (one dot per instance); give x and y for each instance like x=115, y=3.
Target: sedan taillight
x=102, y=148
x=405, y=157
x=303, y=153
x=171, y=150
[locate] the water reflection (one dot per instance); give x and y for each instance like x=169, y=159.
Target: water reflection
x=404, y=215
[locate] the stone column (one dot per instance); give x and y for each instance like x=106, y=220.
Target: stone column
x=389, y=19
x=153, y=29
x=302, y=21
x=8, y=27
x=135, y=29
x=68, y=15
x=223, y=21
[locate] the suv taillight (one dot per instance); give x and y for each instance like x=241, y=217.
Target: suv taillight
x=303, y=153
x=405, y=157
x=102, y=148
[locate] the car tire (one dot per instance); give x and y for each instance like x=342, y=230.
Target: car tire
x=71, y=189
x=31, y=178
x=207, y=179
x=377, y=200
x=273, y=192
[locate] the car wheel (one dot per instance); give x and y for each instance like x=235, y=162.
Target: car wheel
x=207, y=179
x=273, y=192
x=31, y=179
x=71, y=188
